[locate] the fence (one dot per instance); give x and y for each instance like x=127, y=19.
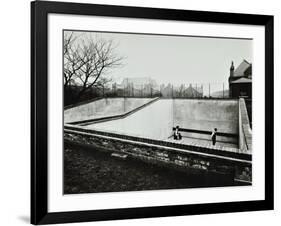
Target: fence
x=195, y=90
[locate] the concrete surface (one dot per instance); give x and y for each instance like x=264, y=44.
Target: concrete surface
x=206, y=114
x=103, y=108
x=154, y=121
x=202, y=142
x=157, y=120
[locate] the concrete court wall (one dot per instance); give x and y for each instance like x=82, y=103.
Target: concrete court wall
x=103, y=108
x=207, y=114
x=156, y=121
x=245, y=131
x=153, y=121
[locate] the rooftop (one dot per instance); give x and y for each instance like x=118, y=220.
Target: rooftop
x=242, y=68
x=242, y=80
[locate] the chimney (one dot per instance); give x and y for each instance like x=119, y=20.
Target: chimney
x=230, y=79
x=232, y=69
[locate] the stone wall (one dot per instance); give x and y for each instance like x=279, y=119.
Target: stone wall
x=184, y=160
x=209, y=149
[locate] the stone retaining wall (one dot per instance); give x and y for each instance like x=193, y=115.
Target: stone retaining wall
x=167, y=156
x=226, y=152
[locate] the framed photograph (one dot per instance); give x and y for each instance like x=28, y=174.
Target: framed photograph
x=145, y=112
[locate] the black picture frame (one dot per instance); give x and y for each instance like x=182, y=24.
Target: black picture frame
x=39, y=112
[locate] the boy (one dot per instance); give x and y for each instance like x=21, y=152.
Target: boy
x=214, y=136
x=177, y=135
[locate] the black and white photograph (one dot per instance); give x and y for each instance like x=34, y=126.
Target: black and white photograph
x=123, y=113
x=155, y=111
x=146, y=112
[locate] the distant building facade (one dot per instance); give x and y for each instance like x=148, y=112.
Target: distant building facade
x=181, y=91
x=240, y=80
x=147, y=87
x=137, y=87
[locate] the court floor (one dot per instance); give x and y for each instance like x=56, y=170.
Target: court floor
x=203, y=142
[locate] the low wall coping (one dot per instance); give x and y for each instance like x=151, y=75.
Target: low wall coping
x=207, y=149
x=245, y=124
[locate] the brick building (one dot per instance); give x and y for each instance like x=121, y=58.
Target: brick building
x=240, y=80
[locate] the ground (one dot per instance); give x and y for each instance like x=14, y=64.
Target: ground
x=87, y=171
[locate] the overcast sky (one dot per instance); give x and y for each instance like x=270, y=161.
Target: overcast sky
x=177, y=59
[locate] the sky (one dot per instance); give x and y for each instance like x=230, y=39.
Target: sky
x=176, y=59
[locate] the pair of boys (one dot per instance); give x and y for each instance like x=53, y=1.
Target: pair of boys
x=177, y=135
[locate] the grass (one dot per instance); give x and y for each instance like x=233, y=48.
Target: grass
x=87, y=170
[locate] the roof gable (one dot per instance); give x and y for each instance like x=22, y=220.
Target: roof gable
x=242, y=68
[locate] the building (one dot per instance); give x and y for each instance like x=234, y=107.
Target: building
x=193, y=92
x=140, y=87
x=139, y=82
x=240, y=80
x=181, y=91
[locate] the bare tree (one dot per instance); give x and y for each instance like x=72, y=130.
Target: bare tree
x=72, y=63
x=102, y=83
x=87, y=59
x=98, y=57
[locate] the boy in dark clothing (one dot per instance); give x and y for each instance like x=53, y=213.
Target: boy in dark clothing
x=177, y=135
x=214, y=136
